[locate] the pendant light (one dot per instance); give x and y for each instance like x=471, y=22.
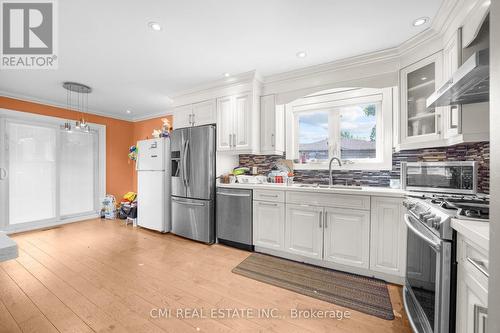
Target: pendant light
x=81, y=106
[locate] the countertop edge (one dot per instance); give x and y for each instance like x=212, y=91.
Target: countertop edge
x=478, y=232
x=369, y=191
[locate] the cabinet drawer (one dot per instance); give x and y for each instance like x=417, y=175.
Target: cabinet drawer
x=329, y=200
x=269, y=195
x=474, y=260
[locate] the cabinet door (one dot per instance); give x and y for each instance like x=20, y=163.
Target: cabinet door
x=388, y=236
x=225, y=124
x=183, y=116
x=472, y=301
x=420, y=125
x=204, y=113
x=347, y=237
x=242, y=122
x=452, y=58
x=304, y=230
x=269, y=224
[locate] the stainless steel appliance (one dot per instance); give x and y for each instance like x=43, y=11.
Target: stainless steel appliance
x=234, y=218
x=193, y=183
x=430, y=286
x=458, y=177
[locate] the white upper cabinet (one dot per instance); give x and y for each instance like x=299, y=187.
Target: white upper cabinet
x=204, y=113
x=182, y=116
x=420, y=126
x=272, y=123
x=452, y=58
x=236, y=120
x=388, y=236
x=197, y=114
x=304, y=230
x=225, y=123
x=347, y=237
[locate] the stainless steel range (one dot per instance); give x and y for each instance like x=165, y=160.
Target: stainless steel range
x=445, y=191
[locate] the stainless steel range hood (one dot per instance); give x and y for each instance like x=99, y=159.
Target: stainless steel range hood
x=469, y=84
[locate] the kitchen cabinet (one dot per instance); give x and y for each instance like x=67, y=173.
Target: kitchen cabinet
x=182, y=116
x=388, y=236
x=269, y=224
x=420, y=126
x=272, y=126
x=235, y=116
x=202, y=113
x=472, y=287
x=347, y=237
x=304, y=230
x=452, y=59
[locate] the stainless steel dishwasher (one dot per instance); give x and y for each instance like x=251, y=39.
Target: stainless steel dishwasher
x=234, y=218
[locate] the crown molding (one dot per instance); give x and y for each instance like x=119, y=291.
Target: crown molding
x=47, y=102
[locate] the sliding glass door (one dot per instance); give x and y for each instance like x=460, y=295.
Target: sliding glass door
x=47, y=174
x=32, y=168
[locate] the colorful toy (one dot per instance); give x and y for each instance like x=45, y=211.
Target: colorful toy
x=132, y=153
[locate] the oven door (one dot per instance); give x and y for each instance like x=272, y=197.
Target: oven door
x=428, y=275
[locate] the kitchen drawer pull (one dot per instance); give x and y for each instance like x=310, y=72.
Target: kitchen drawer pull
x=479, y=265
x=269, y=195
x=268, y=204
x=320, y=219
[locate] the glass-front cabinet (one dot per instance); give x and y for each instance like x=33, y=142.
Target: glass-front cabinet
x=420, y=125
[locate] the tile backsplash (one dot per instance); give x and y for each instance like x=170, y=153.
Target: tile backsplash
x=479, y=152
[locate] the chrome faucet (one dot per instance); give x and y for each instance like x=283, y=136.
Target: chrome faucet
x=330, y=168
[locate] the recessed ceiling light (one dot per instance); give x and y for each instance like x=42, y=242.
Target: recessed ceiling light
x=420, y=21
x=128, y=111
x=155, y=26
x=301, y=54
x=227, y=75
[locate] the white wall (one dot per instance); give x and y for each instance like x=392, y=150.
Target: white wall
x=494, y=281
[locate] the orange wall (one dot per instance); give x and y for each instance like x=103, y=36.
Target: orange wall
x=119, y=137
x=142, y=131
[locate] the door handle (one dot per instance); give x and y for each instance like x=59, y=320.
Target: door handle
x=3, y=174
x=184, y=163
x=320, y=219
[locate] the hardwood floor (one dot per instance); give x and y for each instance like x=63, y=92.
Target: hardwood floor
x=104, y=276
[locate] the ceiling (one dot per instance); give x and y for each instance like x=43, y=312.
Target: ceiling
x=109, y=46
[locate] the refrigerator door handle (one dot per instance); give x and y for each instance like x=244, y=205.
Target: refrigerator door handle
x=187, y=203
x=185, y=163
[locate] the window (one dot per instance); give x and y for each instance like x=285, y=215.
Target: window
x=348, y=124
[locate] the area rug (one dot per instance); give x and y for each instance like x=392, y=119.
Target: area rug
x=364, y=294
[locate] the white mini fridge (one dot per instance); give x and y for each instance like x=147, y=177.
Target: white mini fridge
x=153, y=184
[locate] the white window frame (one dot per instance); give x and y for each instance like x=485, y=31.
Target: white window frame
x=30, y=118
x=331, y=102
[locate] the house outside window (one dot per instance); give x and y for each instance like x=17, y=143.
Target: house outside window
x=354, y=125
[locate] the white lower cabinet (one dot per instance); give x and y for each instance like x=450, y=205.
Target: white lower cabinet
x=347, y=237
x=304, y=230
x=388, y=236
x=269, y=224
x=361, y=232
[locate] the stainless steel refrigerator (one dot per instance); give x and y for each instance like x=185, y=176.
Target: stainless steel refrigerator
x=193, y=183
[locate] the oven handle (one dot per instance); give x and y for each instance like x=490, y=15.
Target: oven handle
x=411, y=226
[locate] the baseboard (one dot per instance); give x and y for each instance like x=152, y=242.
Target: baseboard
x=14, y=229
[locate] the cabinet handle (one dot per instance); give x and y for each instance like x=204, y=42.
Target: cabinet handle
x=268, y=204
x=320, y=219
x=234, y=140
x=192, y=119
x=230, y=142
x=479, y=265
x=326, y=221
x=273, y=140
x=269, y=195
